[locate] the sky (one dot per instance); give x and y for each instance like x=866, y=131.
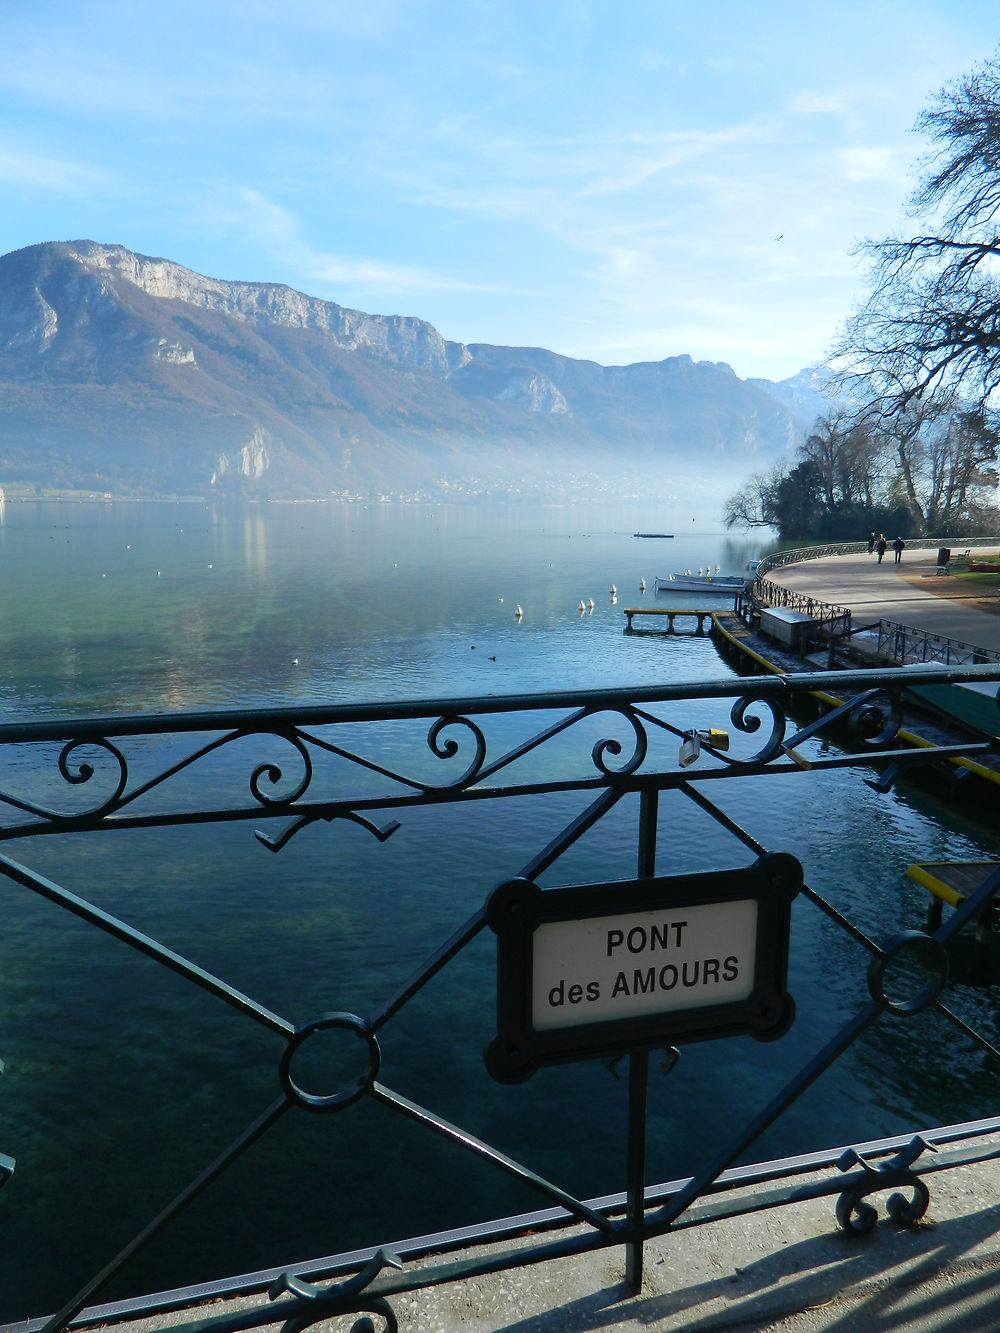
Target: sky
x=618, y=180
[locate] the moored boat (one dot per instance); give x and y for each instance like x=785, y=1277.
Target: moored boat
x=726, y=583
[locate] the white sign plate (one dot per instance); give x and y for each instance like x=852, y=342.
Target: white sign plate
x=637, y=964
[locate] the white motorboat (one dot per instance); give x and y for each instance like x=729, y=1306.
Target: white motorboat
x=715, y=583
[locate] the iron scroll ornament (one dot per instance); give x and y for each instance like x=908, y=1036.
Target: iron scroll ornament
x=642, y=990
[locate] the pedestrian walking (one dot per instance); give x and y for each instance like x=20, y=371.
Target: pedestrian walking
x=899, y=546
x=880, y=546
x=871, y=542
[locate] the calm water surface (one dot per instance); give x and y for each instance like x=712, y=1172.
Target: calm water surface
x=121, y=1083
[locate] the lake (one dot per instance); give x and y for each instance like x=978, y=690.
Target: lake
x=121, y=1084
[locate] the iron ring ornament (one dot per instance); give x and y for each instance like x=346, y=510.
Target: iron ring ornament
x=921, y=951
x=352, y=1091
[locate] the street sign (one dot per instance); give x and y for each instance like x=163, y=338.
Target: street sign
x=598, y=969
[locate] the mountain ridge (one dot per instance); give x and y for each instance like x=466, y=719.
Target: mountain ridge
x=128, y=373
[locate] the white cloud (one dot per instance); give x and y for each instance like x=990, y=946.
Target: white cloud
x=873, y=162
x=811, y=103
x=47, y=174
x=274, y=224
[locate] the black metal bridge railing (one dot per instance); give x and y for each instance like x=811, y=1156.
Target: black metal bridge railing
x=277, y=773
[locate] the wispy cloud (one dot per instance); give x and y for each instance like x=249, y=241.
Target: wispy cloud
x=275, y=224
x=32, y=171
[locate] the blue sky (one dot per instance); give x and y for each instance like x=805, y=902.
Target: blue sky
x=606, y=179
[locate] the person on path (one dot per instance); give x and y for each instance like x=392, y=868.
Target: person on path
x=880, y=546
x=898, y=546
x=871, y=542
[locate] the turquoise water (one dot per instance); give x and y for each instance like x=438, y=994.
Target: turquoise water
x=138, y=607
x=121, y=1082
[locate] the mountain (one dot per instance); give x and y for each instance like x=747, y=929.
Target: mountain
x=131, y=375
x=809, y=395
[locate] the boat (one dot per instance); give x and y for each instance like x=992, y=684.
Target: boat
x=727, y=583
x=652, y=534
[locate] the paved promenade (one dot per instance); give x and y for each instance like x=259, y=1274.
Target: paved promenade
x=910, y=593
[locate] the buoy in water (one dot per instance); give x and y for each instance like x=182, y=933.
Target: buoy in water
x=518, y=614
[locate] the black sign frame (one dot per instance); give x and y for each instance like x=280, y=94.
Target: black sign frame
x=517, y=907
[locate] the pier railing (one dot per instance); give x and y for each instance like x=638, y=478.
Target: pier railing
x=829, y=619
x=903, y=643
x=617, y=757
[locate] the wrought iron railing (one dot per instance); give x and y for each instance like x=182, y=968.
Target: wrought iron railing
x=378, y=766
x=829, y=619
x=903, y=643
x=796, y=555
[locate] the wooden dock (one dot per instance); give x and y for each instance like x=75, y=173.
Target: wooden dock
x=952, y=882
x=703, y=615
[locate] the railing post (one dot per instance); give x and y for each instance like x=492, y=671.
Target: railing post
x=638, y=1078
x=649, y=802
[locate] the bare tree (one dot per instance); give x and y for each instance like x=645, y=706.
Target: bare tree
x=753, y=505
x=931, y=323
x=849, y=458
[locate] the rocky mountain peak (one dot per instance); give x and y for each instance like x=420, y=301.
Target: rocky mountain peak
x=400, y=338
x=126, y=373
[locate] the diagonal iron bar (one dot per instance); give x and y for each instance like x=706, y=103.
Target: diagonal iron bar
x=112, y=925
x=574, y=1206
x=200, y=1183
